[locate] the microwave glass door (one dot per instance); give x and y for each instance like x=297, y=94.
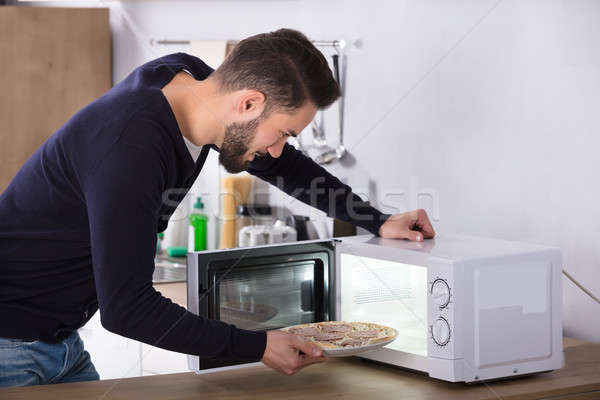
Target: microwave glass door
x=388, y=293
x=261, y=288
x=270, y=296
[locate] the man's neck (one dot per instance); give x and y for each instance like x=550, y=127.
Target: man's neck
x=197, y=106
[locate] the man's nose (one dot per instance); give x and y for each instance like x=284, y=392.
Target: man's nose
x=276, y=149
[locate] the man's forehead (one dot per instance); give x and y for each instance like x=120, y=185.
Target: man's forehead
x=291, y=123
x=300, y=118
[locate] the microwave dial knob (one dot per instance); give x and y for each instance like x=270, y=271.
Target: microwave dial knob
x=440, y=331
x=440, y=293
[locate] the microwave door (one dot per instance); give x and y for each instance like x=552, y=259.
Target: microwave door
x=262, y=287
x=372, y=286
x=268, y=297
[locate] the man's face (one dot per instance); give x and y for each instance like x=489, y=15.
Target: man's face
x=259, y=136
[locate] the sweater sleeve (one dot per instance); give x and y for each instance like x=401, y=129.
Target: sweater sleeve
x=302, y=178
x=123, y=197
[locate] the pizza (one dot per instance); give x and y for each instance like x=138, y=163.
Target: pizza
x=342, y=334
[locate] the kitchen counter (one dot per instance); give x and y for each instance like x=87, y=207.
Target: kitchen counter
x=176, y=291
x=169, y=269
x=343, y=377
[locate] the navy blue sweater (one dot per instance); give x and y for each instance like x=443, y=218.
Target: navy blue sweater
x=78, y=222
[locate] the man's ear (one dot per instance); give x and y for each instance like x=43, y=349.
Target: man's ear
x=251, y=104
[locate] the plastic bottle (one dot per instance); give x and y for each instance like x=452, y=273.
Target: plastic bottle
x=159, y=238
x=197, y=229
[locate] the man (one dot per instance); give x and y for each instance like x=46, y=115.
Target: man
x=78, y=223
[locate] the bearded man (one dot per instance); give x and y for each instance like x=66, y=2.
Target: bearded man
x=78, y=223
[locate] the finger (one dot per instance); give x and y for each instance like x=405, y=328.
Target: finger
x=308, y=360
x=426, y=226
x=422, y=221
x=308, y=348
x=415, y=236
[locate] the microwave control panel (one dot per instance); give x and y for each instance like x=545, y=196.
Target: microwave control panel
x=440, y=293
x=440, y=309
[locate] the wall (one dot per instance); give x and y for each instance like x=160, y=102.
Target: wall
x=491, y=106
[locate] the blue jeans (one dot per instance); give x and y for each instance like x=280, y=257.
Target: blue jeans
x=38, y=363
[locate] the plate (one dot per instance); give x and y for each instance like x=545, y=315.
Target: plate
x=349, y=350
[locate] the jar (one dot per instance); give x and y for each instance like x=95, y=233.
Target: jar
x=253, y=215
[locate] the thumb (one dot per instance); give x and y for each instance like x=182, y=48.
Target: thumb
x=307, y=347
x=415, y=236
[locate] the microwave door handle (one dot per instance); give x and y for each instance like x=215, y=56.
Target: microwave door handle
x=307, y=291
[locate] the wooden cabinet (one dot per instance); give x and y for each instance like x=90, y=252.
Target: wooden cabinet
x=53, y=61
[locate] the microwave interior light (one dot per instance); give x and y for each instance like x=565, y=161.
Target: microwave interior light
x=388, y=293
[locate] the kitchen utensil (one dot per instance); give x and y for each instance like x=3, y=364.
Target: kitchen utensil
x=297, y=143
x=256, y=235
x=341, y=149
x=252, y=214
x=331, y=154
x=317, y=131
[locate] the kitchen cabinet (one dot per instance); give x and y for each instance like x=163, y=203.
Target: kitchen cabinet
x=53, y=61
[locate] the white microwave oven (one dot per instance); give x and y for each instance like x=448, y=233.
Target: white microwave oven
x=465, y=308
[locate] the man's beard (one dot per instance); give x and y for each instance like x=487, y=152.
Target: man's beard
x=235, y=146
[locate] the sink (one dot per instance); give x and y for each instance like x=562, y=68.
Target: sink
x=169, y=269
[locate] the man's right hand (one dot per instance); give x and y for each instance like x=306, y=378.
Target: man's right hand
x=289, y=353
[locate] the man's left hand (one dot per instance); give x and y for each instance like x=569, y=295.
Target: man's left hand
x=413, y=225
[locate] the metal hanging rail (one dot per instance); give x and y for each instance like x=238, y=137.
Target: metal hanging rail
x=338, y=45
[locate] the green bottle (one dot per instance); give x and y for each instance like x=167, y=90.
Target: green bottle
x=159, y=238
x=197, y=230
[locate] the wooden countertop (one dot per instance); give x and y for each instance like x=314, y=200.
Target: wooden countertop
x=343, y=377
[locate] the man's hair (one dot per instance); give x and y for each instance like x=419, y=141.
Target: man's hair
x=283, y=65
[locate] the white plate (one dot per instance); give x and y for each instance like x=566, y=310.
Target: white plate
x=350, y=351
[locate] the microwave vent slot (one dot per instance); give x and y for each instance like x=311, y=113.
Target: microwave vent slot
x=375, y=289
x=378, y=295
